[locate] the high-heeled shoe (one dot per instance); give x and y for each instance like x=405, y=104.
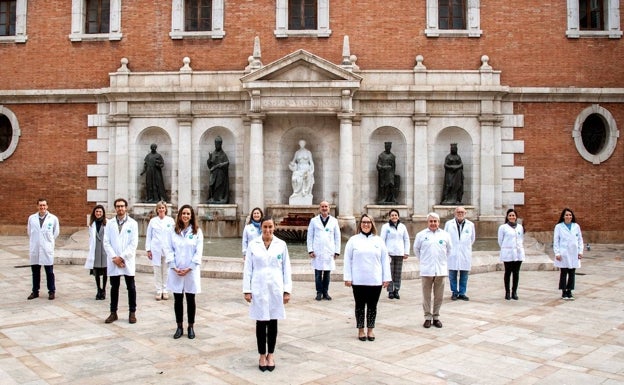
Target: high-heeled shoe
x=261, y=367
x=270, y=367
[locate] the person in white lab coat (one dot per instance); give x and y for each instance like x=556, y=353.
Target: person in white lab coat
x=366, y=271
x=157, y=238
x=252, y=229
x=511, y=242
x=568, y=248
x=96, y=260
x=43, y=229
x=323, y=241
x=432, y=247
x=395, y=235
x=121, y=239
x=462, y=232
x=267, y=284
x=184, y=261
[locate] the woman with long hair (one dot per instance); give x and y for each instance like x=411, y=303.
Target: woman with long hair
x=568, y=249
x=511, y=242
x=96, y=259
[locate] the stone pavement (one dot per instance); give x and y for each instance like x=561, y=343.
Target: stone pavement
x=539, y=339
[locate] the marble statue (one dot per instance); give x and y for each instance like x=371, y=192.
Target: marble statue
x=302, y=167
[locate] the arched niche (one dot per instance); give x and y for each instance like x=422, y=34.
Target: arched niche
x=147, y=137
x=289, y=144
x=376, y=146
x=465, y=150
x=206, y=146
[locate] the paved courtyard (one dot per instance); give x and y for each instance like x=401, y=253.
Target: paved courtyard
x=539, y=339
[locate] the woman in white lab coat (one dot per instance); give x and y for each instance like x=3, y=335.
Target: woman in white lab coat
x=267, y=285
x=511, y=242
x=395, y=235
x=157, y=238
x=184, y=262
x=96, y=258
x=252, y=229
x=568, y=249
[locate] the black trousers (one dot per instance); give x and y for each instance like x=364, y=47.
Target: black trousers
x=366, y=298
x=115, y=281
x=97, y=273
x=36, y=278
x=512, y=269
x=266, y=336
x=567, y=278
x=178, y=307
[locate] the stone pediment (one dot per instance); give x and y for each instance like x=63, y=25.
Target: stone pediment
x=301, y=69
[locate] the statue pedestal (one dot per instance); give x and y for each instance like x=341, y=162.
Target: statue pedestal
x=143, y=212
x=448, y=211
x=300, y=200
x=218, y=221
x=380, y=212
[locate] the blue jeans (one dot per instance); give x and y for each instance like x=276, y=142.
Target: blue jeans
x=463, y=281
x=321, y=278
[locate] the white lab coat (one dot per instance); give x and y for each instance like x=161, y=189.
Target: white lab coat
x=366, y=261
x=186, y=252
x=568, y=244
x=396, y=239
x=324, y=241
x=158, y=237
x=267, y=276
x=511, y=242
x=92, y=240
x=122, y=243
x=432, y=249
x=42, y=238
x=460, y=257
x=250, y=232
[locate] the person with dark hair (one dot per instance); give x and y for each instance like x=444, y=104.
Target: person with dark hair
x=157, y=239
x=395, y=236
x=432, y=247
x=267, y=284
x=121, y=239
x=96, y=259
x=184, y=261
x=366, y=271
x=510, y=240
x=43, y=229
x=252, y=228
x=568, y=249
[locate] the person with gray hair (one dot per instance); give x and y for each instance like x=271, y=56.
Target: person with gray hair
x=432, y=247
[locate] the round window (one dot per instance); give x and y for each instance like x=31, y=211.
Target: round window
x=6, y=133
x=9, y=132
x=595, y=134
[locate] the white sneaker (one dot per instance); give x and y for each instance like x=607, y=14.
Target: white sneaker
x=165, y=295
x=158, y=296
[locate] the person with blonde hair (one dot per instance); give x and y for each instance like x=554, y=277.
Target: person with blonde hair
x=157, y=238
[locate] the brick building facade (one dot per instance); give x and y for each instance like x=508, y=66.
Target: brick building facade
x=528, y=72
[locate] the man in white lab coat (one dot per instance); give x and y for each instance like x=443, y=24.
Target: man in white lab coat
x=121, y=239
x=43, y=229
x=462, y=232
x=323, y=243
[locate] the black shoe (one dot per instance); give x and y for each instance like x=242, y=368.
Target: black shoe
x=319, y=296
x=391, y=294
x=507, y=296
x=33, y=295
x=396, y=295
x=178, y=333
x=514, y=296
x=454, y=297
x=327, y=297
x=370, y=338
x=437, y=323
x=98, y=296
x=51, y=296
x=427, y=324
x=191, y=333
x=570, y=295
x=463, y=297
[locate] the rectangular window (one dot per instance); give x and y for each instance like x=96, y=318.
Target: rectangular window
x=198, y=15
x=451, y=14
x=591, y=15
x=302, y=14
x=7, y=18
x=97, y=18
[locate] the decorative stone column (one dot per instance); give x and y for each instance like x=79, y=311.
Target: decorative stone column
x=186, y=172
x=119, y=164
x=421, y=166
x=256, y=161
x=490, y=196
x=345, y=183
